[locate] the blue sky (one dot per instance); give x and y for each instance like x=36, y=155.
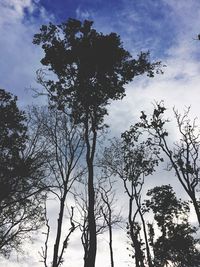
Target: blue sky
x=168, y=28
x=148, y=23
x=158, y=26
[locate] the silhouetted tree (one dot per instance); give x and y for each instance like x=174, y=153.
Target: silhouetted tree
x=64, y=147
x=90, y=69
x=139, y=161
x=176, y=245
x=105, y=216
x=112, y=219
x=183, y=155
x=132, y=159
x=22, y=176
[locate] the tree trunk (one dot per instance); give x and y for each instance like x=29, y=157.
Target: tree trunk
x=146, y=240
x=196, y=206
x=145, y=233
x=134, y=238
x=92, y=246
x=59, y=229
x=91, y=256
x=110, y=245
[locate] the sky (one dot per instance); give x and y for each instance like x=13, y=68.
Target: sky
x=166, y=28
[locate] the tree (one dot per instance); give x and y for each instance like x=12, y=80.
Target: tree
x=139, y=161
x=132, y=159
x=105, y=217
x=90, y=70
x=183, y=155
x=108, y=197
x=12, y=141
x=64, y=148
x=176, y=245
x=22, y=177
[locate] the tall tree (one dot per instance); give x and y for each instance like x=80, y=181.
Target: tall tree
x=22, y=176
x=90, y=69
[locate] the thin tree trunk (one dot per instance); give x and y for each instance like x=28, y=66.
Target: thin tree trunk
x=109, y=224
x=144, y=230
x=92, y=246
x=196, y=206
x=146, y=240
x=110, y=244
x=59, y=229
x=134, y=237
x=91, y=256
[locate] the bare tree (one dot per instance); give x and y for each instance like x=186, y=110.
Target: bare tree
x=183, y=155
x=105, y=216
x=111, y=219
x=131, y=159
x=65, y=148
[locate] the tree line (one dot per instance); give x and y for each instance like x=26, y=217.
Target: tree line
x=51, y=151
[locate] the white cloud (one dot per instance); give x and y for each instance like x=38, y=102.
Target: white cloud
x=13, y=10
x=178, y=86
x=83, y=14
x=19, y=57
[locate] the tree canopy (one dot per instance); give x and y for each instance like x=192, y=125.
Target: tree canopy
x=50, y=153
x=91, y=68
x=176, y=245
x=21, y=173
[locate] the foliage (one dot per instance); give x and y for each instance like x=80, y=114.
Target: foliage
x=183, y=155
x=132, y=159
x=91, y=68
x=12, y=141
x=21, y=173
x=165, y=205
x=176, y=245
x=138, y=157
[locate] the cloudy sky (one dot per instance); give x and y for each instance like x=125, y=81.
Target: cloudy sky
x=167, y=28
